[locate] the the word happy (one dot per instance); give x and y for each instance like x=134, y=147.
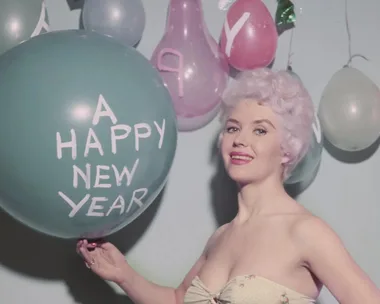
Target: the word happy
x=117, y=133
x=106, y=176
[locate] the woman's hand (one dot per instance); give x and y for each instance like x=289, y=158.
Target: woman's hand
x=104, y=259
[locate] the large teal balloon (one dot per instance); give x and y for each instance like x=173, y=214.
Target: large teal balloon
x=88, y=134
x=21, y=20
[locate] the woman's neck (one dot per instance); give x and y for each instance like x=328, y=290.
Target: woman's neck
x=260, y=198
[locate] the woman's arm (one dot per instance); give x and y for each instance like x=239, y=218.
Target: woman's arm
x=325, y=255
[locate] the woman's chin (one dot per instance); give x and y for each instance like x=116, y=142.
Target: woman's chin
x=241, y=179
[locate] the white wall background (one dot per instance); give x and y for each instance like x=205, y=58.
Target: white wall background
x=166, y=240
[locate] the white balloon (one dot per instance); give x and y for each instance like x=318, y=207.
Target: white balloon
x=349, y=110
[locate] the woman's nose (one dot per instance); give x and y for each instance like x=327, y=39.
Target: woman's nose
x=240, y=140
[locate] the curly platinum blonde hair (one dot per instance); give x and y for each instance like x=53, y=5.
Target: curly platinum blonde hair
x=287, y=97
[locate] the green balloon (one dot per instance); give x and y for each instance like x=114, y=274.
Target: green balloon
x=21, y=20
x=88, y=134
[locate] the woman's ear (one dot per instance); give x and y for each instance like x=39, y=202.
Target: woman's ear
x=285, y=158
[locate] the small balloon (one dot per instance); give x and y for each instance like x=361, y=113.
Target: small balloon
x=349, y=110
x=21, y=20
x=123, y=20
x=79, y=134
x=249, y=37
x=310, y=162
x=190, y=66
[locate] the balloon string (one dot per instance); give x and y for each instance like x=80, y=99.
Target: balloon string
x=290, y=54
x=350, y=55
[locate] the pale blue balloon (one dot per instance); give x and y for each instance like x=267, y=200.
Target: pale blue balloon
x=21, y=20
x=123, y=20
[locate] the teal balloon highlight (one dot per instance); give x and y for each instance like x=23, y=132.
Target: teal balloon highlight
x=21, y=20
x=88, y=135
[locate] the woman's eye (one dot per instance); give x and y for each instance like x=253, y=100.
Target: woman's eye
x=231, y=129
x=260, y=131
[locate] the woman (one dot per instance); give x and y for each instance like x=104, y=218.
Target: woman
x=274, y=251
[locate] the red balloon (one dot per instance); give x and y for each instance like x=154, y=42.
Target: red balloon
x=249, y=36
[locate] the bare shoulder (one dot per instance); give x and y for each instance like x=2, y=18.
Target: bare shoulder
x=307, y=220
x=220, y=230
x=215, y=236
x=309, y=229
x=316, y=240
x=324, y=254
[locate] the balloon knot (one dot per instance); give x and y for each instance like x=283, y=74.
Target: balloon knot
x=354, y=56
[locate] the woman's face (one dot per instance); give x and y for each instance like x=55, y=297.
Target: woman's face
x=251, y=143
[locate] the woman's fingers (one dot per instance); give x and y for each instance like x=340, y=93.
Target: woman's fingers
x=88, y=251
x=95, y=243
x=87, y=256
x=106, y=246
x=79, y=244
x=92, y=244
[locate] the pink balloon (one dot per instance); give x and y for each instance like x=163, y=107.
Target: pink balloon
x=191, y=66
x=249, y=37
x=219, y=55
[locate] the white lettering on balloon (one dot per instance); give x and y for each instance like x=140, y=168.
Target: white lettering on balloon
x=42, y=25
x=102, y=176
x=231, y=33
x=317, y=129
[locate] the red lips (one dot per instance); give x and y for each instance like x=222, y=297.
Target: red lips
x=240, y=158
